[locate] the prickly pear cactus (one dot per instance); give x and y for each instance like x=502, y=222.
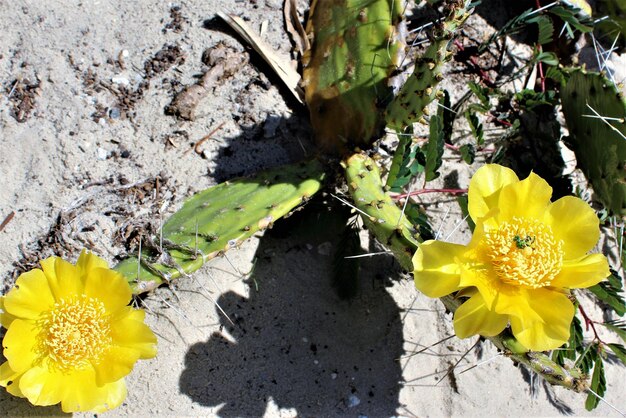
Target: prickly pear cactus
x=595, y=113
x=385, y=220
x=381, y=215
x=420, y=88
x=357, y=44
x=218, y=219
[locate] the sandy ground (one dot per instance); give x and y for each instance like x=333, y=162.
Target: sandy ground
x=87, y=154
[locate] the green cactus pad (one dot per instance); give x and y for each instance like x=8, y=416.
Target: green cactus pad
x=420, y=89
x=354, y=51
x=380, y=214
x=600, y=146
x=218, y=219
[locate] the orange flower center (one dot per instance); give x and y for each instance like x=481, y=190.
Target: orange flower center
x=524, y=252
x=75, y=332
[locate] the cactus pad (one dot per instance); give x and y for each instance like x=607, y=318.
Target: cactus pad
x=218, y=219
x=599, y=145
x=383, y=218
x=420, y=88
x=356, y=46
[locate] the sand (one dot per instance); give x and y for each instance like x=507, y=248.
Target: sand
x=88, y=155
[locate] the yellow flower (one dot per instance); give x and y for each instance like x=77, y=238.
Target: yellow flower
x=71, y=337
x=525, y=255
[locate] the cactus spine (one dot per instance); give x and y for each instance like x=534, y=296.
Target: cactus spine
x=218, y=219
x=381, y=216
x=599, y=144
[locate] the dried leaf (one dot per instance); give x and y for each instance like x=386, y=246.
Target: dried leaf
x=281, y=66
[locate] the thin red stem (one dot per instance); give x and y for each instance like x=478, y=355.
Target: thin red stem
x=589, y=324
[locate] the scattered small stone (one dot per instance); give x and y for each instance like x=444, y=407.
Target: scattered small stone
x=120, y=80
x=353, y=401
x=101, y=154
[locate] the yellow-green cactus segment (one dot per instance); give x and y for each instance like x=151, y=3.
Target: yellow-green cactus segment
x=355, y=49
x=420, y=88
x=379, y=213
x=599, y=144
x=218, y=219
x=383, y=218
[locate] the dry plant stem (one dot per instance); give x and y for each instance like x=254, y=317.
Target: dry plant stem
x=382, y=218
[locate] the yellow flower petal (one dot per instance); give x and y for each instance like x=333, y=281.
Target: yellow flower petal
x=115, y=364
x=514, y=301
x=528, y=199
x=584, y=272
x=128, y=330
x=436, y=270
x=30, y=297
x=485, y=186
x=482, y=279
x=473, y=317
x=89, y=261
x=19, y=345
x=10, y=379
x=575, y=223
x=76, y=391
x=5, y=317
x=552, y=330
x=41, y=386
x=64, y=278
x=108, y=286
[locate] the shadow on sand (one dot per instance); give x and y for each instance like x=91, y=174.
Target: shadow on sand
x=296, y=341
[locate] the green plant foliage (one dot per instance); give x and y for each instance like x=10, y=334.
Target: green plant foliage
x=434, y=148
x=475, y=126
x=598, y=385
x=618, y=327
x=468, y=153
x=610, y=291
x=619, y=351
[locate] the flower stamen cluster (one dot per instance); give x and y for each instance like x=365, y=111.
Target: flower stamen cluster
x=524, y=252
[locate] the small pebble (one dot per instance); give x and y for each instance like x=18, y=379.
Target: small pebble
x=121, y=80
x=101, y=154
x=353, y=401
x=333, y=376
x=115, y=113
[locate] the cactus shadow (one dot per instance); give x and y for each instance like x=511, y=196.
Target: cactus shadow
x=296, y=342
